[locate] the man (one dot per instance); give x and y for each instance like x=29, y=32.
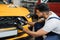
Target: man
x=52, y=23
x=37, y=24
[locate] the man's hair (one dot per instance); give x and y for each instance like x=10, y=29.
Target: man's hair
x=42, y=7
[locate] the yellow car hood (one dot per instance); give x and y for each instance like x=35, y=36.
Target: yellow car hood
x=21, y=11
x=6, y=11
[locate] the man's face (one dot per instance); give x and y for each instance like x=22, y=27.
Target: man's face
x=38, y=13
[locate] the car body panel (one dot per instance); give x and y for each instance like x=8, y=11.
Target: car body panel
x=21, y=11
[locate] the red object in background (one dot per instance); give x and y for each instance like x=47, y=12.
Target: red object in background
x=39, y=1
x=54, y=6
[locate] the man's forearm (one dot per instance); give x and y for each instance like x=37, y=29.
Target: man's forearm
x=41, y=20
x=31, y=23
x=36, y=34
x=33, y=34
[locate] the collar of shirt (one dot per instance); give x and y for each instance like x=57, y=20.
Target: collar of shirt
x=52, y=15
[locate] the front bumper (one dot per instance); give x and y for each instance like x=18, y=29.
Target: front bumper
x=8, y=32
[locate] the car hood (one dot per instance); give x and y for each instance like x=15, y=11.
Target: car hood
x=6, y=11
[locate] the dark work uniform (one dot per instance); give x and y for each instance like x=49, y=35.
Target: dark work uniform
x=38, y=26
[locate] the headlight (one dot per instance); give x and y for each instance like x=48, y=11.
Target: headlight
x=22, y=21
x=30, y=15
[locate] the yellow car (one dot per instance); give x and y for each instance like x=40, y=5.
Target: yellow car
x=10, y=18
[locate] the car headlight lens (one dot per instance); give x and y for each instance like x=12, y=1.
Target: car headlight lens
x=30, y=15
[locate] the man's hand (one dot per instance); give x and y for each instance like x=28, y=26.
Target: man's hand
x=41, y=20
x=25, y=29
x=40, y=32
x=31, y=23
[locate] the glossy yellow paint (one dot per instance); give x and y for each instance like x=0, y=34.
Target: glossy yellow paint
x=6, y=11
x=21, y=11
x=24, y=35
